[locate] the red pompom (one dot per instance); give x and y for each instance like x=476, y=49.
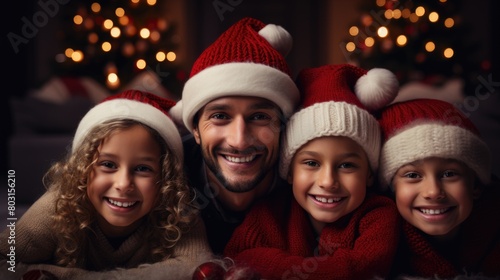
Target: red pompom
x=209, y=271
x=241, y=273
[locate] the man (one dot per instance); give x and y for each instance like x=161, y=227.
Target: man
x=234, y=104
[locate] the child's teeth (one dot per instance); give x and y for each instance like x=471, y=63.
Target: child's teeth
x=121, y=204
x=433, y=211
x=325, y=200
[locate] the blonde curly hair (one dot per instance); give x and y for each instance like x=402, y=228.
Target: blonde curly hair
x=75, y=216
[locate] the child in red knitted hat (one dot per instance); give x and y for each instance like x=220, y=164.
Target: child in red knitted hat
x=439, y=169
x=328, y=224
x=118, y=200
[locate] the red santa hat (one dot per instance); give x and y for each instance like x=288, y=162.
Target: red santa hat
x=248, y=59
x=339, y=101
x=143, y=107
x=421, y=128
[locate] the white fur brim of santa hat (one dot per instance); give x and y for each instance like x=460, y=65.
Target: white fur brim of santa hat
x=434, y=139
x=247, y=60
x=237, y=79
x=331, y=119
x=134, y=110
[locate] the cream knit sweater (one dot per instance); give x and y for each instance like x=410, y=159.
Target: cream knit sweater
x=35, y=246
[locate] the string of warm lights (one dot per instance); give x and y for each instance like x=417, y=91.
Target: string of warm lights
x=383, y=34
x=417, y=33
x=116, y=36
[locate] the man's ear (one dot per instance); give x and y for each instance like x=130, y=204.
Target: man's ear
x=196, y=134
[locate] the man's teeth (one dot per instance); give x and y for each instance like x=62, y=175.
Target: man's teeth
x=122, y=204
x=327, y=200
x=434, y=211
x=240, y=159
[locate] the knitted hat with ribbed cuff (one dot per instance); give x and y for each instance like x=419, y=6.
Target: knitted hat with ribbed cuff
x=339, y=101
x=417, y=129
x=248, y=59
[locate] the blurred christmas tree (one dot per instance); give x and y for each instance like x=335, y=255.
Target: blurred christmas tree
x=113, y=41
x=418, y=40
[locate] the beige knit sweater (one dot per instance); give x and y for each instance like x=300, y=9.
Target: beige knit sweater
x=35, y=246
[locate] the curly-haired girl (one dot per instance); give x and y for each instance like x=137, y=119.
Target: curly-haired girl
x=118, y=200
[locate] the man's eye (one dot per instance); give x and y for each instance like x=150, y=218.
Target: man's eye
x=219, y=116
x=260, y=117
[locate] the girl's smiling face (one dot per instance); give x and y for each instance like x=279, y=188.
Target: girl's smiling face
x=435, y=194
x=124, y=182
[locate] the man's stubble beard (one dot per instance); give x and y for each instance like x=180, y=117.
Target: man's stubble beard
x=234, y=186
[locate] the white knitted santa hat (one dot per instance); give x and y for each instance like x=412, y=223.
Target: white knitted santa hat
x=421, y=128
x=339, y=101
x=143, y=107
x=248, y=59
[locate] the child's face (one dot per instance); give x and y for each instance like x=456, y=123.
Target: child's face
x=435, y=194
x=123, y=184
x=329, y=177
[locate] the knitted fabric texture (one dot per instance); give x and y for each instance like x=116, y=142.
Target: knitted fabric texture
x=143, y=107
x=332, y=107
x=276, y=238
x=476, y=249
x=35, y=245
x=421, y=128
x=242, y=43
x=248, y=59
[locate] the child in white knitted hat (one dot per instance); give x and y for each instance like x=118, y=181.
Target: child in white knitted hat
x=439, y=170
x=118, y=200
x=328, y=224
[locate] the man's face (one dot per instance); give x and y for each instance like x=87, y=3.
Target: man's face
x=239, y=138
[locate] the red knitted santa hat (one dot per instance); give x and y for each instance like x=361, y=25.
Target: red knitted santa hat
x=338, y=101
x=421, y=128
x=248, y=59
x=143, y=107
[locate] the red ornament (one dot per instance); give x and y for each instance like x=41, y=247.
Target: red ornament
x=209, y=271
x=241, y=273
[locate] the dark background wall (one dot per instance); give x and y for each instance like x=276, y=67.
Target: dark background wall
x=317, y=27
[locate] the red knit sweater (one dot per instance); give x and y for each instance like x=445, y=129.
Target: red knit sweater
x=277, y=240
x=475, y=250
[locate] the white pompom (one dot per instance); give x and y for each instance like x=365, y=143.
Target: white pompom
x=176, y=113
x=278, y=37
x=377, y=88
